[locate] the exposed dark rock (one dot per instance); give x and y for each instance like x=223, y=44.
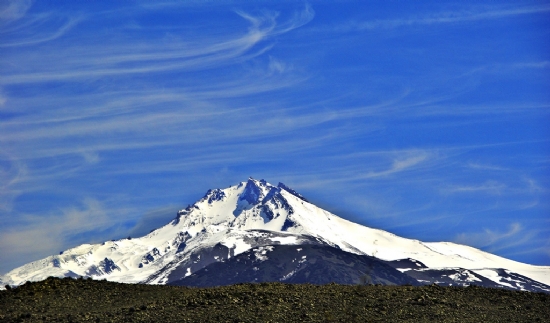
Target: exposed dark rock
x=291, y=191
x=106, y=266
x=251, y=193
x=316, y=264
x=79, y=300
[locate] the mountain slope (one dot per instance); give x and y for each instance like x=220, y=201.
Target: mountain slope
x=228, y=222
x=314, y=264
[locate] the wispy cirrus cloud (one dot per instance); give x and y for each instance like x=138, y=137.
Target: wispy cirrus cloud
x=541, y=64
x=122, y=111
x=491, y=187
x=65, y=227
x=12, y=10
x=494, y=240
x=298, y=19
x=41, y=37
x=481, y=166
x=399, y=165
x=443, y=17
x=12, y=172
x=166, y=55
x=347, y=170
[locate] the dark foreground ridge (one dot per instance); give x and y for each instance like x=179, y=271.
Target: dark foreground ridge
x=80, y=300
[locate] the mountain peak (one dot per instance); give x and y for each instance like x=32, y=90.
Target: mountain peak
x=257, y=190
x=253, y=191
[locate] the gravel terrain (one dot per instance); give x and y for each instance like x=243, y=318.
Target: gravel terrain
x=80, y=300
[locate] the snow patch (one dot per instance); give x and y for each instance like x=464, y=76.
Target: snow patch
x=260, y=253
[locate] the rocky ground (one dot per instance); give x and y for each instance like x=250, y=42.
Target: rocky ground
x=70, y=300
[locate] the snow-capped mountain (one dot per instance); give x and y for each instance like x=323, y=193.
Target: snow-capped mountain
x=256, y=231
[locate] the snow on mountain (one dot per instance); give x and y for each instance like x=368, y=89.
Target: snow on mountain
x=228, y=222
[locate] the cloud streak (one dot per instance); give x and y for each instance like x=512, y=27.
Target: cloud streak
x=13, y=10
x=491, y=187
x=44, y=38
x=448, y=17
x=65, y=227
x=79, y=63
x=494, y=240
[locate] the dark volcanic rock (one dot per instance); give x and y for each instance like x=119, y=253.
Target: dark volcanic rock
x=78, y=300
x=315, y=264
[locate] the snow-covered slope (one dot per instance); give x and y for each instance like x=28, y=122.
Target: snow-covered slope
x=228, y=222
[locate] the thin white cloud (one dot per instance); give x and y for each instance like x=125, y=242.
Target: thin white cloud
x=509, y=185
x=541, y=64
x=481, y=166
x=534, y=185
x=276, y=66
x=491, y=187
x=41, y=38
x=91, y=157
x=12, y=10
x=298, y=19
x=397, y=165
x=379, y=208
x=392, y=162
x=12, y=173
x=121, y=59
x=401, y=164
x=494, y=240
x=545, y=250
x=63, y=230
x=153, y=219
x=448, y=17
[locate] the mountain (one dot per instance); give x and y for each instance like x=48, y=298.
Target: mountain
x=257, y=232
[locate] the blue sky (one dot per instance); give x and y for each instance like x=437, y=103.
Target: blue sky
x=428, y=119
